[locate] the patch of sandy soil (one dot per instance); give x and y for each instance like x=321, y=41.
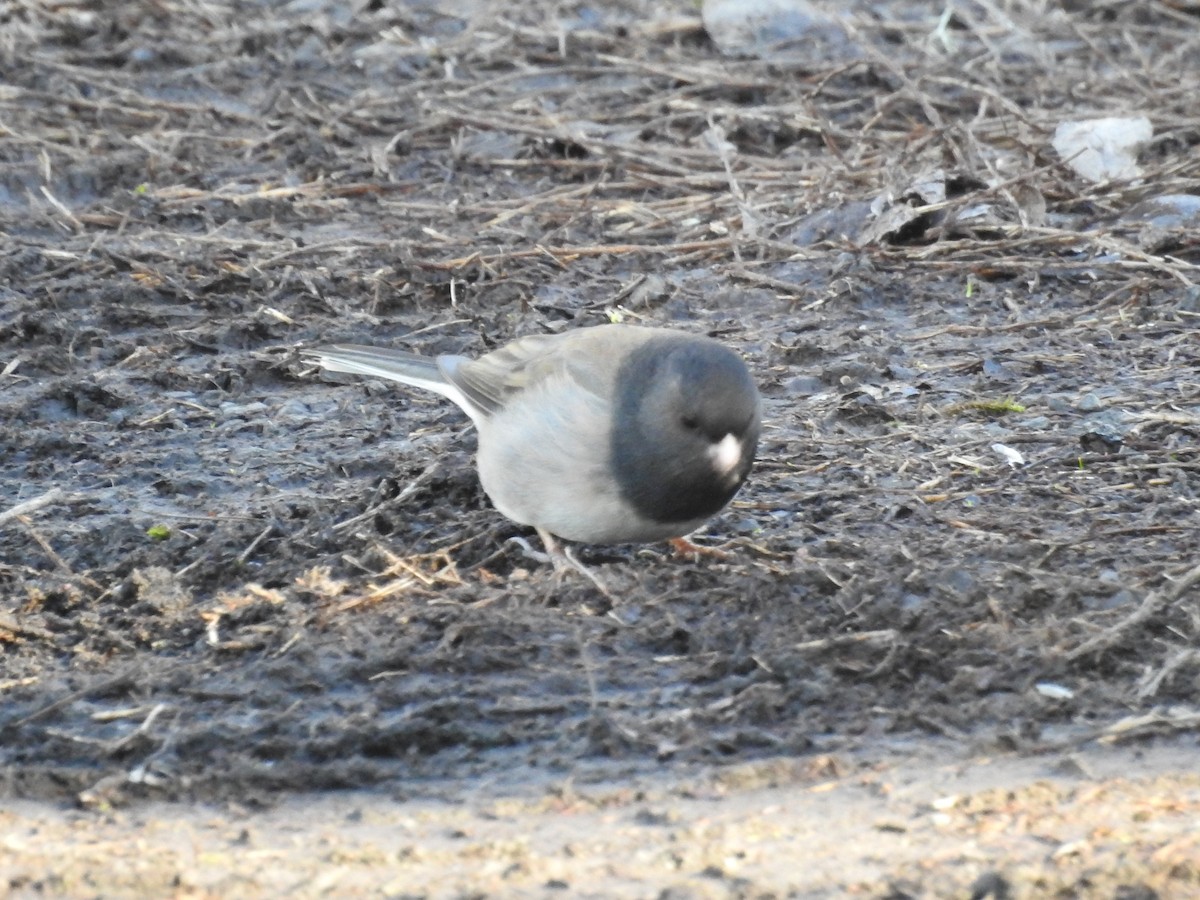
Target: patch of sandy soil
x=1108, y=823
x=260, y=630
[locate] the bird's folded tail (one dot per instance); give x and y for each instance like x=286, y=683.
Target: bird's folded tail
x=395, y=365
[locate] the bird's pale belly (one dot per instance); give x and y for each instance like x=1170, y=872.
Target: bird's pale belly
x=555, y=473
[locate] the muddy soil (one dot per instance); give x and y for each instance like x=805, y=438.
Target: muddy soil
x=230, y=585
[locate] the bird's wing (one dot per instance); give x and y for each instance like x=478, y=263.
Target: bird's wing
x=586, y=358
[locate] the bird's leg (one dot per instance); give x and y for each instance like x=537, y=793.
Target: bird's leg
x=560, y=556
x=564, y=560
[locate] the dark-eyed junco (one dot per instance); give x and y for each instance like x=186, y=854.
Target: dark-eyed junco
x=602, y=435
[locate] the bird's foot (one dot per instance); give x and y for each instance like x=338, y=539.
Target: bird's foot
x=564, y=561
x=683, y=547
x=536, y=555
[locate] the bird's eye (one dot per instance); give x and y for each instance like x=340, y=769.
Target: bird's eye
x=691, y=423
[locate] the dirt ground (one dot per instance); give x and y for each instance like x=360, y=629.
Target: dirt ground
x=262, y=634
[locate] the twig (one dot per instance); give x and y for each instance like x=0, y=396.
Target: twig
x=1151, y=683
x=22, y=509
x=105, y=686
x=880, y=637
x=58, y=561
x=571, y=253
x=254, y=544
x=1154, y=602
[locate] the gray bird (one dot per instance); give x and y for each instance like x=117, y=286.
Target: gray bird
x=603, y=435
